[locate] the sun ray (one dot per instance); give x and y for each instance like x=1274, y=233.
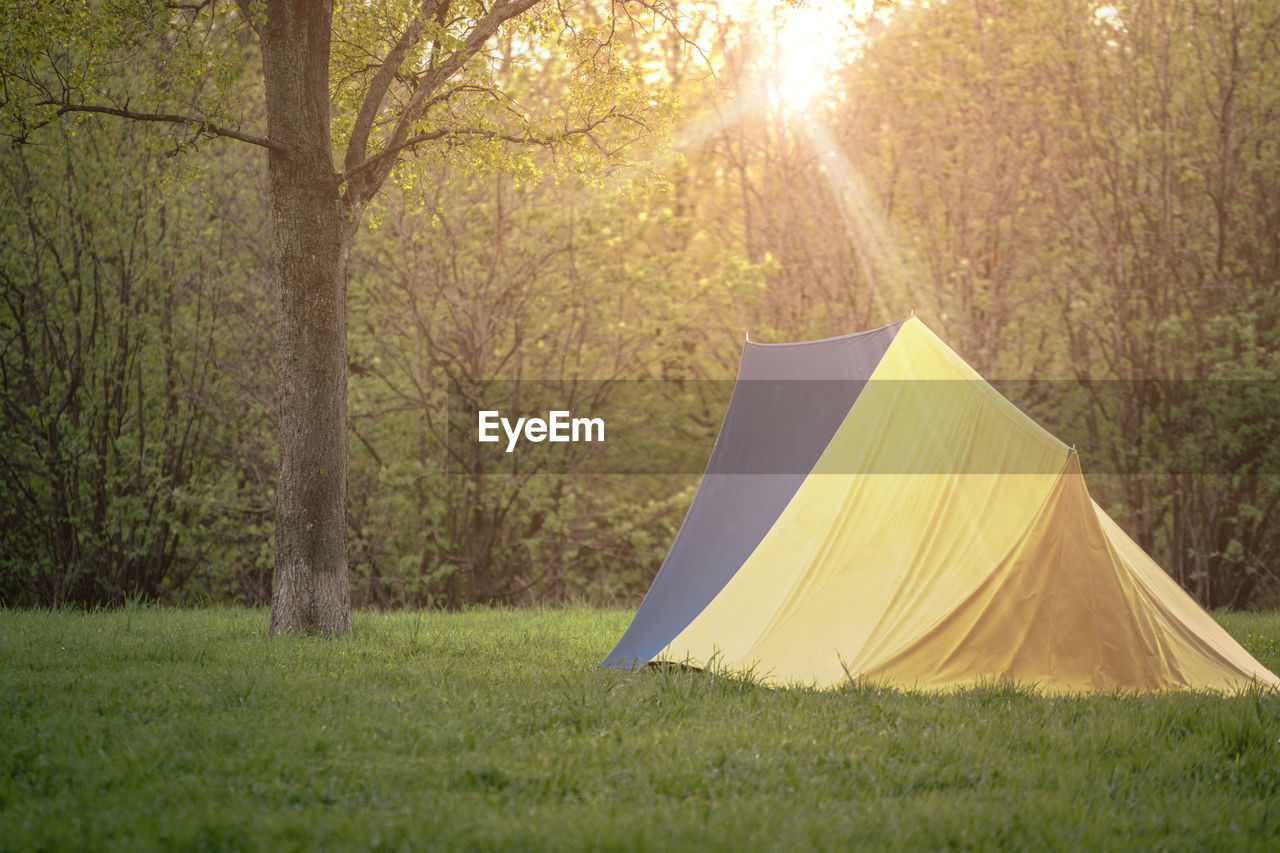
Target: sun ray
x=865, y=225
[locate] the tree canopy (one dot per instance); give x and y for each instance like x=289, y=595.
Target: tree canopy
x=404, y=195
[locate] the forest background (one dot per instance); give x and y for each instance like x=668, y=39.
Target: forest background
x=1081, y=194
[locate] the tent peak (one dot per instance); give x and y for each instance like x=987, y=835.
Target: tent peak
x=831, y=339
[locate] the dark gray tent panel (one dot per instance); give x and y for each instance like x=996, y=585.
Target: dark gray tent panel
x=788, y=402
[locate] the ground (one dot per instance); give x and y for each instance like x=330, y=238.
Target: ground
x=154, y=728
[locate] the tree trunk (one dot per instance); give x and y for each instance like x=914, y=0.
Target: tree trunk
x=311, y=235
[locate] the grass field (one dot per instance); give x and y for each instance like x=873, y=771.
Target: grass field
x=170, y=729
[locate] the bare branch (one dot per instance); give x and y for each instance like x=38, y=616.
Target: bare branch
x=200, y=125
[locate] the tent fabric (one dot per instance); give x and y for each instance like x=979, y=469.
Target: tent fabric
x=761, y=456
x=940, y=539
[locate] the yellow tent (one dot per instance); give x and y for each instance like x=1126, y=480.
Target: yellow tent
x=939, y=539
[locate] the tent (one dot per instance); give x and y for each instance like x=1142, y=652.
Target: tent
x=874, y=511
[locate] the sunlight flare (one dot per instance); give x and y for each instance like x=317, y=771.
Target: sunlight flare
x=801, y=46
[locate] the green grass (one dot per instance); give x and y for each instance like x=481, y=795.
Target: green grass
x=154, y=728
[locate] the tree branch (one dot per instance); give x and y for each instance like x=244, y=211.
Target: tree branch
x=382, y=81
x=499, y=13
x=528, y=139
x=200, y=125
x=246, y=9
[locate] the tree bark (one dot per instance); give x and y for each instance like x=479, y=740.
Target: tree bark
x=311, y=234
